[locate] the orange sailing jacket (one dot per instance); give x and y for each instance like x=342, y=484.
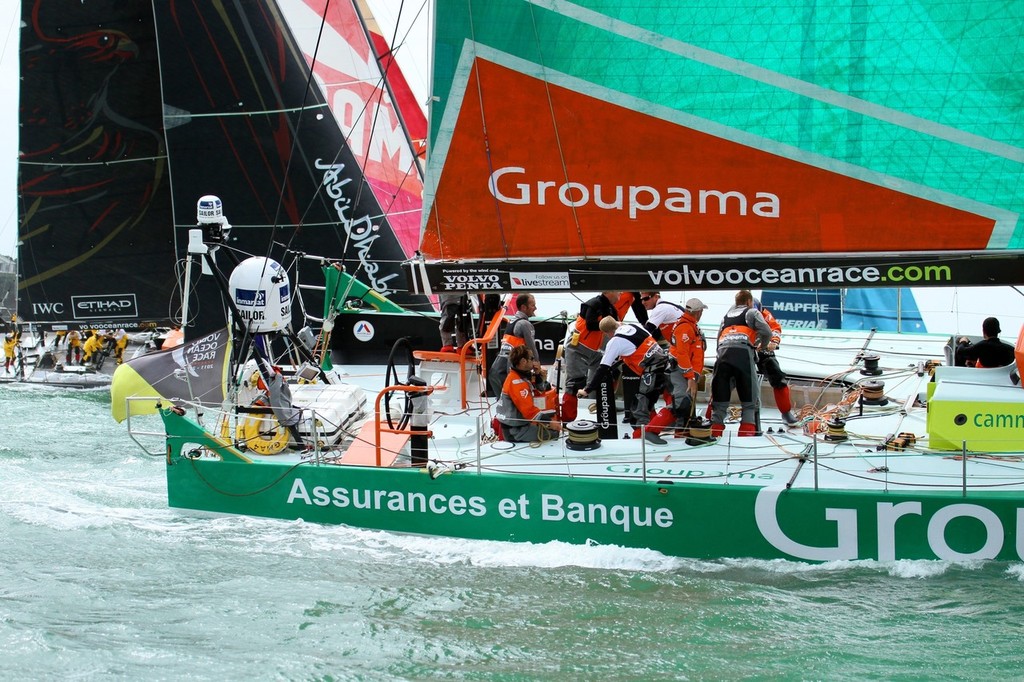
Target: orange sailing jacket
x=774, y=324
x=516, y=403
x=688, y=346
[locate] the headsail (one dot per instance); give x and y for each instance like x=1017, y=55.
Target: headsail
x=96, y=242
x=596, y=145
x=345, y=65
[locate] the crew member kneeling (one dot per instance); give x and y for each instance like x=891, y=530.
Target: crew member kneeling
x=520, y=418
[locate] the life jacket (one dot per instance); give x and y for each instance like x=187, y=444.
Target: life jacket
x=509, y=340
x=593, y=338
x=515, y=406
x=734, y=327
x=647, y=354
x=688, y=345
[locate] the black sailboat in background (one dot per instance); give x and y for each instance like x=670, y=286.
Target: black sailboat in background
x=96, y=245
x=96, y=249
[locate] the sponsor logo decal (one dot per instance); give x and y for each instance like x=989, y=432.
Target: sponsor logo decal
x=468, y=279
x=363, y=331
x=104, y=306
x=538, y=280
x=845, y=536
x=361, y=231
x=547, y=508
x=633, y=200
x=251, y=297
x=39, y=309
x=804, y=276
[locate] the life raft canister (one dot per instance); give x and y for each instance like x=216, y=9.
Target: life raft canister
x=262, y=435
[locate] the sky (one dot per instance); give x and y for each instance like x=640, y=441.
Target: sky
x=9, y=31
x=413, y=57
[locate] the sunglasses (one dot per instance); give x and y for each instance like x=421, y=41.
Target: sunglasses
x=646, y=298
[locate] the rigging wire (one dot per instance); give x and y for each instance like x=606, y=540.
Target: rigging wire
x=554, y=125
x=346, y=144
x=379, y=90
x=484, y=134
x=295, y=136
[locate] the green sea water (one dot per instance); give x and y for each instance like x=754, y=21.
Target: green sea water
x=100, y=580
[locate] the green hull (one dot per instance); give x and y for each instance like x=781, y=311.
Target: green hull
x=678, y=519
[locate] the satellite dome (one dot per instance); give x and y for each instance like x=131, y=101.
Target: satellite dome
x=261, y=292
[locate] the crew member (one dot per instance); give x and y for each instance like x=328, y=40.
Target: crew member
x=120, y=343
x=91, y=346
x=638, y=350
x=687, y=346
x=584, y=343
x=455, y=322
x=520, y=418
x=10, y=347
x=989, y=352
x=742, y=332
x=519, y=332
x=74, y=343
x=768, y=366
x=662, y=316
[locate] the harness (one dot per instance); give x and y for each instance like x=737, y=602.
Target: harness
x=648, y=356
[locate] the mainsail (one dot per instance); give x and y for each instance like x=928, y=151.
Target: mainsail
x=96, y=243
x=248, y=122
x=338, y=48
x=605, y=145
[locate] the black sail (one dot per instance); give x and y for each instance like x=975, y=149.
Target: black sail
x=96, y=244
x=246, y=122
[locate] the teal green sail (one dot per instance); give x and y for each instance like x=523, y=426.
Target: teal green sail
x=882, y=134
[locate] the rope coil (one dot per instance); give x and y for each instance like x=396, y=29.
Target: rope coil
x=873, y=393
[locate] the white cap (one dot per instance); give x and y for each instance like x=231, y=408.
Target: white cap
x=695, y=304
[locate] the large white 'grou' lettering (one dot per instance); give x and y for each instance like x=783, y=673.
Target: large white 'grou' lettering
x=768, y=524
x=888, y=515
